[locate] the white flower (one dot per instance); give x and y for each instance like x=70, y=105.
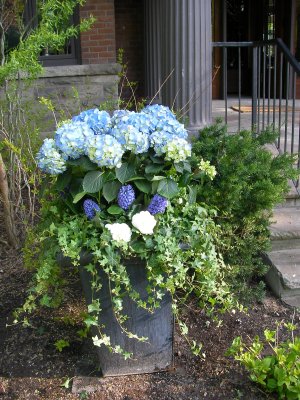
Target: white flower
x=144, y=222
x=119, y=232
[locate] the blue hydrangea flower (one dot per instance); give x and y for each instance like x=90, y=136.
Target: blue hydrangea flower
x=105, y=151
x=71, y=138
x=49, y=158
x=136, y=141
x=140, y=121
x=158, y=141
x=90, y=208
x=126, y=196
x=177, y=150
x=157, y=205
x=159, y=111
x=98, y=121
x=163, y=119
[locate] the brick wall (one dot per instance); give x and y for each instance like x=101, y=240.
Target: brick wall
x=130, y=37
x=98, y=45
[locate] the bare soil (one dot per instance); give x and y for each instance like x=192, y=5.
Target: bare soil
x=32, y=368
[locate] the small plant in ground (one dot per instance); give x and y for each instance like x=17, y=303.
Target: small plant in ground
x=249, y=182
x=277, y=372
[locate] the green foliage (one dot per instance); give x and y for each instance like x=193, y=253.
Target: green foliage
x=61, y=344
x=65, y=228
x=278, y=372
x=248, y=184
x=53, y=31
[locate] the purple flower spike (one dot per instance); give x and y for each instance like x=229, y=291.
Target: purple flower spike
x=157, y=205
x=90, y=208
x=126, y=196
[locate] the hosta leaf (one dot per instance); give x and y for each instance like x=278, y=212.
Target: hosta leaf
x=167, y=188
x=93, y=181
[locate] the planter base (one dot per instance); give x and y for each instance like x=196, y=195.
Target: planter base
x=152, y=356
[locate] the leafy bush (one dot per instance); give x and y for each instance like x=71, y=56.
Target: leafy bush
x=250, y=181
x=278, y=372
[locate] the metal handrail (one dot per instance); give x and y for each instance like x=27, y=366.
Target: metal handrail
x=273, y=88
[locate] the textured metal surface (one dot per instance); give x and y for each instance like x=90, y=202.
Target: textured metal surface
x=152, y=356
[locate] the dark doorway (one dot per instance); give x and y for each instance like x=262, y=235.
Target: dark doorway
x=246, y=21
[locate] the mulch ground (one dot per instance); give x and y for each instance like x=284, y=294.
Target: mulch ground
x=32, y=368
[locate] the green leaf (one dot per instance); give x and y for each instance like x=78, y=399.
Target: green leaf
x=115, y=210
x=167, y=188
x=111, y=190
x=125, y=172
x=78, y=197
x=84, y=163
x=93, y=181
x=179, y=167
x=158, y=178
x=136, y=178
x=63, y=181
x=75, y=186
x=154, y=168
x=143, y=185
x=192, y=194
x=61, y=344
x=139, y=246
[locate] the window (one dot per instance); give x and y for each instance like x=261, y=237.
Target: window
x=69, y=55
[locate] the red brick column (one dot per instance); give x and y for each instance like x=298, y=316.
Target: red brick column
x=98, y=45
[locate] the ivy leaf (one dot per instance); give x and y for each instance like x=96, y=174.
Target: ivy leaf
x=143, y=185
x=115, y=210
x=93, y=181
x=125, y=172
x=78, y=197
x=111, y=190
x=167, y=188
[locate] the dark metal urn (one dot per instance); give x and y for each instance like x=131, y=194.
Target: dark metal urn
x=152, y=356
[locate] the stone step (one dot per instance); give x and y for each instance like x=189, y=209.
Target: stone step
x=285, y=223
x=292, y=199
x=283, y=276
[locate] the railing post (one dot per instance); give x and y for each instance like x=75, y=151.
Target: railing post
x=254, y=88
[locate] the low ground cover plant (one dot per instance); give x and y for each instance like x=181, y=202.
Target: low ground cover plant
x=249, y=182
x=272, y=363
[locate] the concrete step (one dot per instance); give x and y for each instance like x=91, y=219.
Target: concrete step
x=284, y=274
x=285, y=223
x=292, y=199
